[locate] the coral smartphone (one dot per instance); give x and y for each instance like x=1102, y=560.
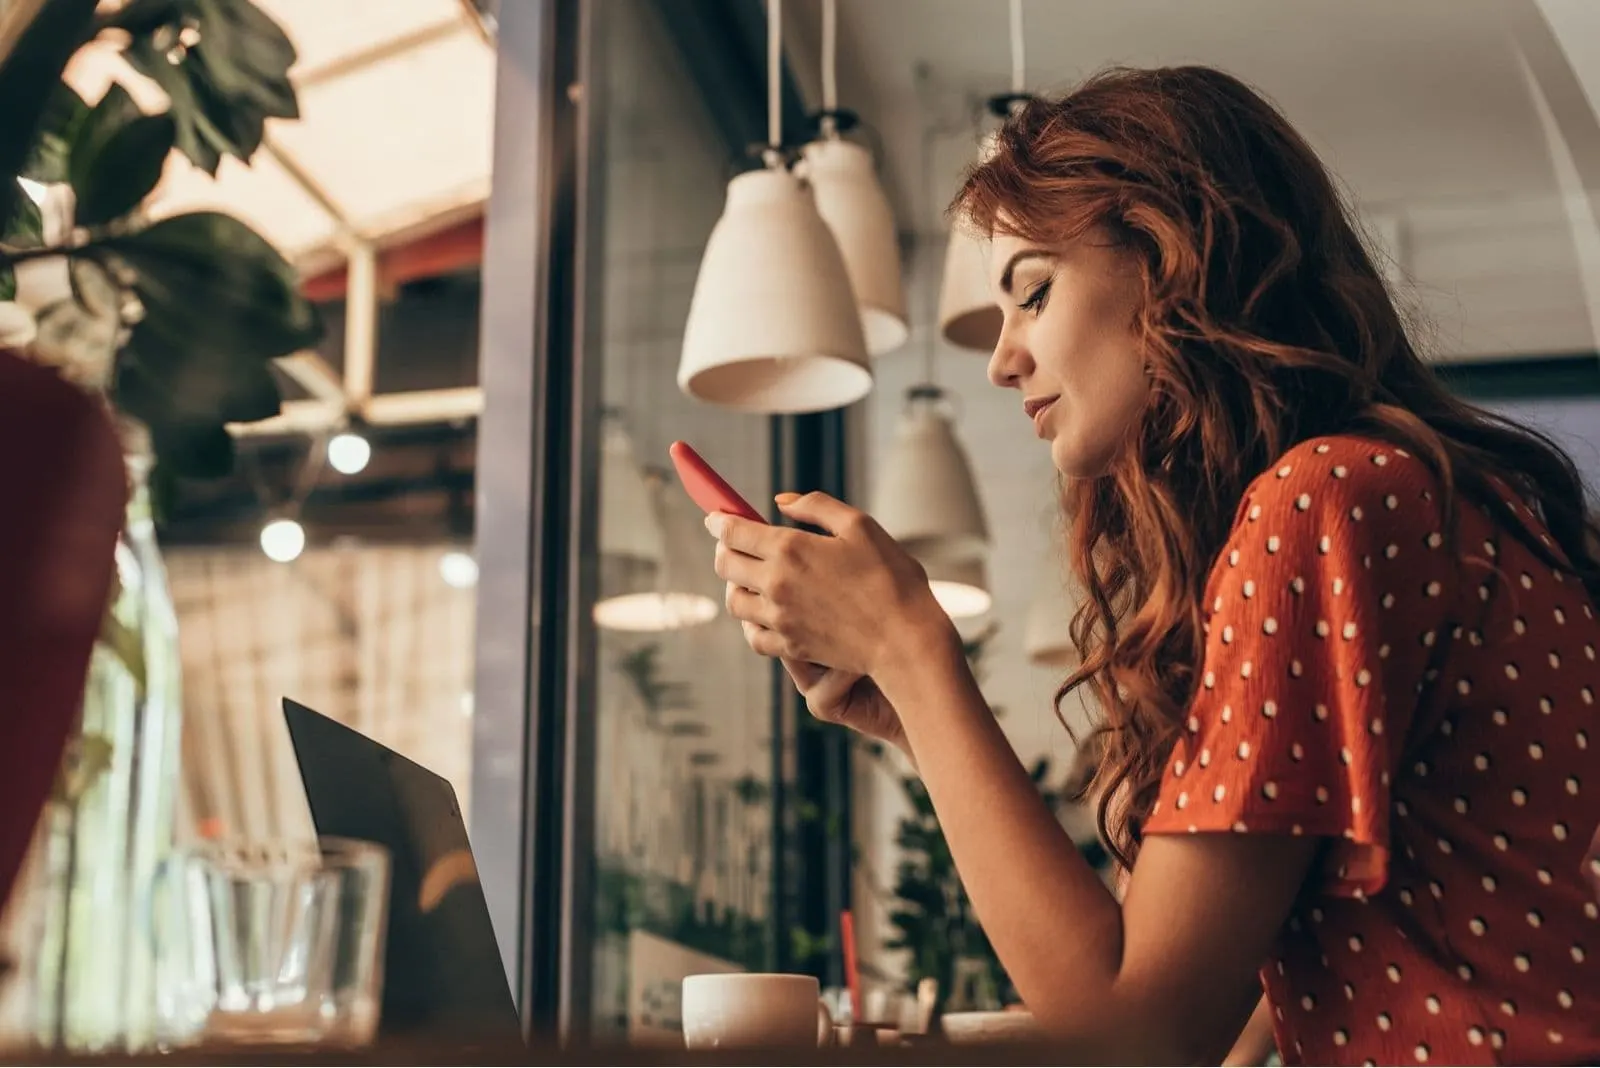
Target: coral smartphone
x=707, y=488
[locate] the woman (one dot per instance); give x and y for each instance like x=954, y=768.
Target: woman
x=1339, y=625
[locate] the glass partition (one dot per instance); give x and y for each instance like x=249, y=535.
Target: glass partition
x=683, y=830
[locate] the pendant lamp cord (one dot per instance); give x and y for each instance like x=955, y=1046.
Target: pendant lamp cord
x=930, y=134
x=1019, y=62
x=774, y=77
x=830, y=64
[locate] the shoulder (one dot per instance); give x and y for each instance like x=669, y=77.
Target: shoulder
x=1343, y=479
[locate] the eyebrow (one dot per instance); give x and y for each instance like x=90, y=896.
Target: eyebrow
x=1007, y=276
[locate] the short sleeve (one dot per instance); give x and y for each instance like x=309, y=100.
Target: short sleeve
x=1322, y=614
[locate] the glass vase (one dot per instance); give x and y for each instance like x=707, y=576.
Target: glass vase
x=88, y=972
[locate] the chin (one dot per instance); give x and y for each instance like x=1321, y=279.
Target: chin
x=1073, y=460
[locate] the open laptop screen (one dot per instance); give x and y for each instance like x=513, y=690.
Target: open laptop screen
x=442, y=970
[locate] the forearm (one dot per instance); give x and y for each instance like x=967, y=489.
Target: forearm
x=1055, y=926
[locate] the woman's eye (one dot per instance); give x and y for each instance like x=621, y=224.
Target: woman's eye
x=1036, y=297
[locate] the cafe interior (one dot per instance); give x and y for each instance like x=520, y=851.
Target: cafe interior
x=536, y=258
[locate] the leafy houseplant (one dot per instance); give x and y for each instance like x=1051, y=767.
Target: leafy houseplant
x=169, y=324
x=189, y=309
x=931, y=914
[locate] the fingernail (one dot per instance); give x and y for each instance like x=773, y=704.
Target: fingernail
x=787, y=498
x=714, y=525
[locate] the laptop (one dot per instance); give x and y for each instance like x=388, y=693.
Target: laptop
x=443, y=975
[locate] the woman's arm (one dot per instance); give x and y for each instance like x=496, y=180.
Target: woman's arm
x=1170, y=976
x=1255, y=1042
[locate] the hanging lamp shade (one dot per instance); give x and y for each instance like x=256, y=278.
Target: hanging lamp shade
x=632, y=543
x=676, y=591
x=853, y=205
x=773, y=326
x=1047, y=633
x=969, y=317
x=927, y=499
x=960, y=586
x=629, y=525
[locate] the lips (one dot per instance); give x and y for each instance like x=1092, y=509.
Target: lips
x=1035, y=408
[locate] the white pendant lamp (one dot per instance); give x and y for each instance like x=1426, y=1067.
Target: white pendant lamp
x=960, y=586
x=677, y=591
x=927, y=499
x=969, y=316
x=629, y=525
x=773, y=326
x=632, y=543
x=853, y=205
x=1047, y=633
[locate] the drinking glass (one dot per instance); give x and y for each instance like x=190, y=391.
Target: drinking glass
x=271, y=943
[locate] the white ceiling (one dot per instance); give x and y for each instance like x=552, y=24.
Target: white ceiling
x=1409, y=100
x=1420, y=107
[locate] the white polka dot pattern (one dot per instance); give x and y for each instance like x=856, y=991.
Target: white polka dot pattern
x=1424, y=704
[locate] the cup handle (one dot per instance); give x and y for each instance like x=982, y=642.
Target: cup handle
x=825, y=1035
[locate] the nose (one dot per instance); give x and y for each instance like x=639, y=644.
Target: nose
x=1010, y=362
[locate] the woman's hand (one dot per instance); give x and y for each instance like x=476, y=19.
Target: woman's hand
x=851, y=599
x=853, y=701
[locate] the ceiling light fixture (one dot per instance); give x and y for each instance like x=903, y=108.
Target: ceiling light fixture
x=852, y=203
x=773, y=326
x=969, y=316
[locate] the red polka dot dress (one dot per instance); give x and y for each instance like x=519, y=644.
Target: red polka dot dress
x=1429, y=714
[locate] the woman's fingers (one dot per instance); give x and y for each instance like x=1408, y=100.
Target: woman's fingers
x=762, y=640
x=747, y=606
x=830, y=689
x=737, y=568
x=803, y=673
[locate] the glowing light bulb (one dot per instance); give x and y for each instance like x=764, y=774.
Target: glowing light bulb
x=349, y=452
x=458, y=569
x=283, y=540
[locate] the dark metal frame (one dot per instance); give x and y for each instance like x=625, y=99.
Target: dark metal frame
x=532, y=804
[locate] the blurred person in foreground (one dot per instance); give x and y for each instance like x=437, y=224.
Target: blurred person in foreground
x=1340, y=624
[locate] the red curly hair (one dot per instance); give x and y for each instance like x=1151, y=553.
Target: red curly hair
x=1264, y=322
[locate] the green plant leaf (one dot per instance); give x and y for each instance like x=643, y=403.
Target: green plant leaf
x=8, y=282
x=64, y=112
x=25, y=228
x=211, y=284
x=202, y=385
x=194, y=450
x=28, y=74
x=224, y=87
x=188, y=444
x=117, y=158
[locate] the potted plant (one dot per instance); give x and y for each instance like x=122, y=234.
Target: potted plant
x=127, y=344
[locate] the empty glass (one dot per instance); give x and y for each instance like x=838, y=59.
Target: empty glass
x=271, y=943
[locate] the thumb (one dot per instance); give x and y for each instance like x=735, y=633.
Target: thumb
x=816, y=508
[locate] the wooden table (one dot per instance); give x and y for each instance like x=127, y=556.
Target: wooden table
x=424, y=1051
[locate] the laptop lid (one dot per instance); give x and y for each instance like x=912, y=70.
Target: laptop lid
x=442, y=967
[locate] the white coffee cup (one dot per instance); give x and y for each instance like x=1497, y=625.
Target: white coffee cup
x=744, y=1011
x=984, y=1028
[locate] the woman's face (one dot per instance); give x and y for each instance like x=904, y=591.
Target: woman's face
x=1068, y=345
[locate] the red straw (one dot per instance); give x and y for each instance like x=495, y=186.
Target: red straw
x=852, y=971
